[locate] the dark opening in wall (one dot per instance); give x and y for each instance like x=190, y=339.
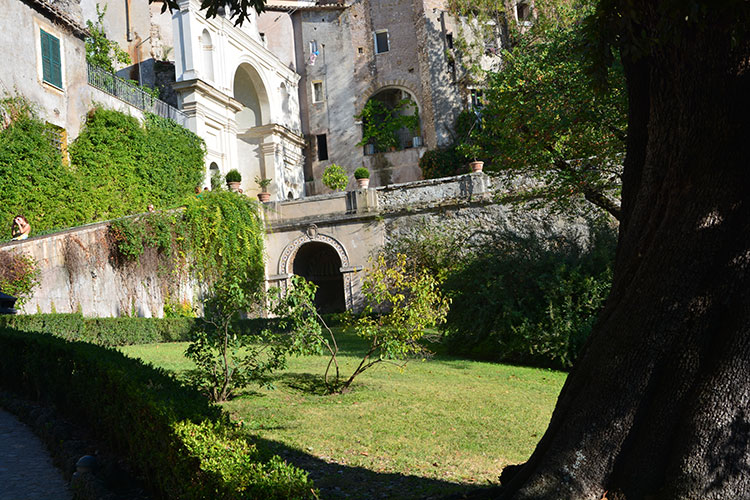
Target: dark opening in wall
x=322, y=147
x=319, y=263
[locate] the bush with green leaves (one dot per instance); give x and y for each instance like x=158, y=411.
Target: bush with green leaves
x=361, y=173
x=335, y=178
x=33, y=179
x=400, y=304
x=526, y=299
x=19, y=276
x=233, y=176
x=118, y=167
x=438, y=163
x=105, y=331
x=124, y=165
x=228, y=358
x=182, y=446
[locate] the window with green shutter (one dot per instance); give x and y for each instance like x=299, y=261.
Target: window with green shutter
x=51, y=67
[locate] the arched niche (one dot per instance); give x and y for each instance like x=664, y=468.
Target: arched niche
x=393, y=103
x=207, y=49
x=251, y=93
x=288, y=257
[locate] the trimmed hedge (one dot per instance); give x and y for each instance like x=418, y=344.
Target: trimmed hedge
x=104, y=331
x=112, y=332
x=184, y=447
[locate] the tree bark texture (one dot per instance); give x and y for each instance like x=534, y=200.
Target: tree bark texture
x=658, y=406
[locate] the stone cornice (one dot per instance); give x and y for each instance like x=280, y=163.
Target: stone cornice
x=274, y=129
x=196, y=84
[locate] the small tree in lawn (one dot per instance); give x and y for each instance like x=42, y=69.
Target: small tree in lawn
x=400, y=303
x=297, y=313
x=227, y=358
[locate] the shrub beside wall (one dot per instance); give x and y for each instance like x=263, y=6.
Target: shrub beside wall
x=104, y=331
x=110, y=332
x=183, y=447
x=528, y=300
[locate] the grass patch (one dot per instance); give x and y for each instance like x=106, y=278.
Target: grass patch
x=428, y=430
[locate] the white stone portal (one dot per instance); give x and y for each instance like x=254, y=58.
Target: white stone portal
x=241, y=99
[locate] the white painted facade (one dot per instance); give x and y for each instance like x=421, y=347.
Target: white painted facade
x=241, y=99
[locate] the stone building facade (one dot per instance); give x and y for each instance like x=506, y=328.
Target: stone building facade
x=45, y=43
x=352, y=51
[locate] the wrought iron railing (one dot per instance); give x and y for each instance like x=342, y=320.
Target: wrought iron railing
x=132, y=94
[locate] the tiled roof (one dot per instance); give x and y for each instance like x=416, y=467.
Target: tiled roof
x=56, y=10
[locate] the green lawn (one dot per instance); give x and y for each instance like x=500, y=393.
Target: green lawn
x=409, y=433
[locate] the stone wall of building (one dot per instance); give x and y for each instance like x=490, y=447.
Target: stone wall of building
x=80, y=272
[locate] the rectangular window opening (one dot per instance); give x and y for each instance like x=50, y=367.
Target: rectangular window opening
x=322, y=147
x=51, y=66
x=318, y=92
x=381, y=42
x=449, y=40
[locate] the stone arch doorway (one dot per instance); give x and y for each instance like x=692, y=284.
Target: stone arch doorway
x=319, y=263
x=288, y=258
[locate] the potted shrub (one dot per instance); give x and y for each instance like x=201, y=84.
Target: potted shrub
x=362, y=175
x=264, y=195
x=233, y=179
x=335, y=178
x=469, y=146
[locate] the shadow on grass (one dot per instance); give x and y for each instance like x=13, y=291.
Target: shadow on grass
x=304, y=382
x=336, y=481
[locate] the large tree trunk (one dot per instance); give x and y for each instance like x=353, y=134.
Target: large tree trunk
x=659, y=404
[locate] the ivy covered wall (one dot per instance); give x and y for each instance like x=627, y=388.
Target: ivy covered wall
x=117, y=166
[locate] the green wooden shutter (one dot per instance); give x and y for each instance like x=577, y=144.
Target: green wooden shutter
x=51, y=66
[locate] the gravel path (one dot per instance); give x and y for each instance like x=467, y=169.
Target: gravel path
x=26, y=470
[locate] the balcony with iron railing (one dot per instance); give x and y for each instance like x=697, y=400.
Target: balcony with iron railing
x=131, y=94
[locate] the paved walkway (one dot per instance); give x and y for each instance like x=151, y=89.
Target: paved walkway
x=26, y=470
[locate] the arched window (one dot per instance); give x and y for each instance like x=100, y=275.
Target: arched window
x=208, y=55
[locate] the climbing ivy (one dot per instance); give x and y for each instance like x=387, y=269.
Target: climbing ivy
x=125, y=166
x=221, y=233
x=224, y=234
x=117, y=167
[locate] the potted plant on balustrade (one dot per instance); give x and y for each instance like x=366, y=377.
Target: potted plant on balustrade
x=469, y=141
x=233, y=179
x=362, y=175
x=264, y=195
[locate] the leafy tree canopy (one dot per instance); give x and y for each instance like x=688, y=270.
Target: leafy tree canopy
x=235, y=9
x=545, y=117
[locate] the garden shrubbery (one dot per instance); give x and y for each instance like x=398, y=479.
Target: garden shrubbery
x=526, y=299
x=117, y=167
x=111, y=332
x=521, y=298
x=183, y=446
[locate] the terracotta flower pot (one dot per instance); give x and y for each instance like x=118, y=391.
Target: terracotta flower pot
x=363, y=183
x=264, y=197
x=476, y=166
x=234, y=186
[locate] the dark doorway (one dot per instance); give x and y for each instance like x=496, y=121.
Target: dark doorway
x=319, y=263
